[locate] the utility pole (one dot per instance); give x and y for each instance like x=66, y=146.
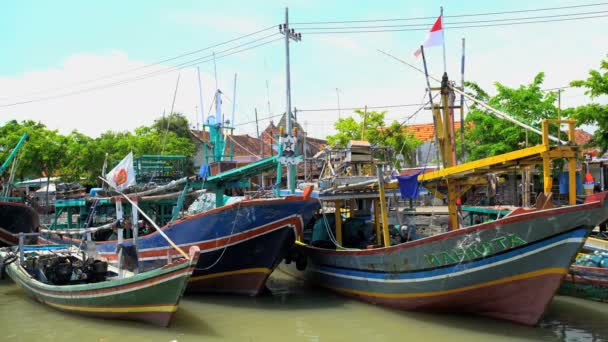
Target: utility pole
x=289, y=34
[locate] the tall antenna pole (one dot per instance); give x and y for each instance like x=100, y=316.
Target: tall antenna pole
x=215, y=71
x=462, y=150
x=233, y=102
x=268, y=97
x=200, y=95
x=339, y=110
x=443, y=33
x=196, y=118
x=289, y=34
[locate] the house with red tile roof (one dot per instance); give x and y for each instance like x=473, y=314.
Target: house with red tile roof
x=248, y=149
x=426, y=132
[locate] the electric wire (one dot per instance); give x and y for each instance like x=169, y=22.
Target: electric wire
x=460, y=27
x=355, y=108
x=447, y=24
x=451, y=16
x=160, y=62
x=141, y=77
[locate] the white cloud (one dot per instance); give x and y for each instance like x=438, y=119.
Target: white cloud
x=118, y=108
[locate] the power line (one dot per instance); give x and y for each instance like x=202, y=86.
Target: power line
x=112, y=75
x=558, y=88
x=355, y=108
x=426, y=25
x=451, y=16
x=458, y=27
x=260, y=119
x=141, y=77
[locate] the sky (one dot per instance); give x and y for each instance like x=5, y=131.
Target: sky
x=98, y=66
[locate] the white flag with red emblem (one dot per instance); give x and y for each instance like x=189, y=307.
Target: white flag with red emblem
x=433, y=38
x=123, y=175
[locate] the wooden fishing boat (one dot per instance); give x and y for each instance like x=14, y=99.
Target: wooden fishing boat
x=103, y=291
x=586, y=282
x=507, y=269
x=241, y=243
x=587, y=277
x=15, y=218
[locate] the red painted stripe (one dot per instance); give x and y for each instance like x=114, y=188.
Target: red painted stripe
x=577, y=279
x=149, y=281
x=245, y=203
x=469, y=230
x=522, y=301
x=294, y=220
x=8, y=237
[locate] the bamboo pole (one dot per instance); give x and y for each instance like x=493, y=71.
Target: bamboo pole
x=338, y=216
x=383, y=208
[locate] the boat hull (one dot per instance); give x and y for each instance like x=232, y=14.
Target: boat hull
x=16, y=218
x=586, y=282
x=241, y=243
x=507, y=269
x=150, y=297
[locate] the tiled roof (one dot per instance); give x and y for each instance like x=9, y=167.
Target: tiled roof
x=244, y=145
x=581, y=137
x=426, y=132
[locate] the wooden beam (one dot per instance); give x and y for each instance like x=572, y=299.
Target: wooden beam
x=486, y=162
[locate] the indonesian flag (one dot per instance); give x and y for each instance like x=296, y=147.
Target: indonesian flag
x=123, y=175
x=433, y=38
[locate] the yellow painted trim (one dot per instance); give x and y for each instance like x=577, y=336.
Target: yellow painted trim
x=157, y=308
x=486, y=162
x=553, y=270
x=229, y=273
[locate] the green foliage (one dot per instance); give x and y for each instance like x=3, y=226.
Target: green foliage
x=43, y=151
x=376, y=132
x=77, y=156
x=486, y=135
x=593, y=113
x=174, y=122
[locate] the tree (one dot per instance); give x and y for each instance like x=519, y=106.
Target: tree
x=77, y=156
x=487, y=135
x=174, y=122
x=43, y=153
x=594, y=113
x=376, y=132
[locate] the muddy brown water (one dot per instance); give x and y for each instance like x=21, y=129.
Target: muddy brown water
x=295, y=312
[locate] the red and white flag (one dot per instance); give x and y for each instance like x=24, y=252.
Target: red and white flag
x=122, y=175
x=433, y=38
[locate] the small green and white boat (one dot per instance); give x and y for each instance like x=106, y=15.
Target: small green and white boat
x=69, y=280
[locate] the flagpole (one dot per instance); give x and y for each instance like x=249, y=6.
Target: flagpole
x=428, y=85
x=443, y=33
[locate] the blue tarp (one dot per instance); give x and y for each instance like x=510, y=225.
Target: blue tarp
x=563, y=183
x=204, y=171
x=408, y=185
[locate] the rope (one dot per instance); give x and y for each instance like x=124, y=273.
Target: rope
x=244, y=148
x=227, y=243
x=330, y=233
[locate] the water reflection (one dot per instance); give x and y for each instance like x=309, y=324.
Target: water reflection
x=295, y=312
x=572, y=319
